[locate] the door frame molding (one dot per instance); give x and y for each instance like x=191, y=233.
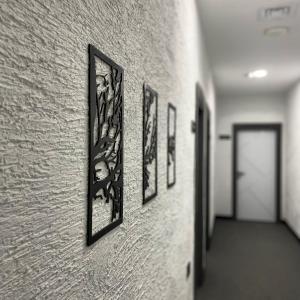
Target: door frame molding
x=200, y=185
x=277, y=128
x=208, y=172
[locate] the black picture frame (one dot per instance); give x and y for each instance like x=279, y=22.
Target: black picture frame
x=150, y=119
x=171, y=147
x=106, y=111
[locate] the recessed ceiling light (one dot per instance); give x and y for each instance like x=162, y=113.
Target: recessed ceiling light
x=257, y=74
x=276, y=31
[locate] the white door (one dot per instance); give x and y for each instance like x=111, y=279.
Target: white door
x=256, y=175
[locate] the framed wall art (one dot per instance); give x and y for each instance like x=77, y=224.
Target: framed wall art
x=105, y=187
x=149, y=143
x=171, y=147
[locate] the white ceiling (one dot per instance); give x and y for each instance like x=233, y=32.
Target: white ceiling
x=236, y=44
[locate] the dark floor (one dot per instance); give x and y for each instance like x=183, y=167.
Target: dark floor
x=252, y=261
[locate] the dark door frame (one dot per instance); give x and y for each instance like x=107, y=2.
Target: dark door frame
x=208, y=141
x=200, y=186
x=277, y=127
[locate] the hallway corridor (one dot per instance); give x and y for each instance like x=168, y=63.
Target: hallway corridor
x=127, y=128
x=252, y=261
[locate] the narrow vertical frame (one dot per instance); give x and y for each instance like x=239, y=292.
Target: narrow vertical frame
x=171, y=147
x=150, y=100
x=108, y=150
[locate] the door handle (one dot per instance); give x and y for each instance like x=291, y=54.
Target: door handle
x=239, y=174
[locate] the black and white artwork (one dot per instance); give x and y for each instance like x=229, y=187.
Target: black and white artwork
x=149, y=144
x=105, y=193
x=171, y=152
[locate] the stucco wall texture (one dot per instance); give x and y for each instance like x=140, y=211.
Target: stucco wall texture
x=44, y=132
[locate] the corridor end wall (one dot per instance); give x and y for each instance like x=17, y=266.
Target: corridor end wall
x=241, y=109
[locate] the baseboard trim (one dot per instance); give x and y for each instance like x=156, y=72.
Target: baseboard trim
x=291, y=230
x=225, y=217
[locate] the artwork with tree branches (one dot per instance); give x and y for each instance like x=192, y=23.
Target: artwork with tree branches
x=171, y=155
x=105, y=194
x=149, y=144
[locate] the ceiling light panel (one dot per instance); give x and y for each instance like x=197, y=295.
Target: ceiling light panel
x=257, y=74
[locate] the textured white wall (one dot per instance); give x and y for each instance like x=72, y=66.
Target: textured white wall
x=44, y=117
x=293, y=159
x=230, y=110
